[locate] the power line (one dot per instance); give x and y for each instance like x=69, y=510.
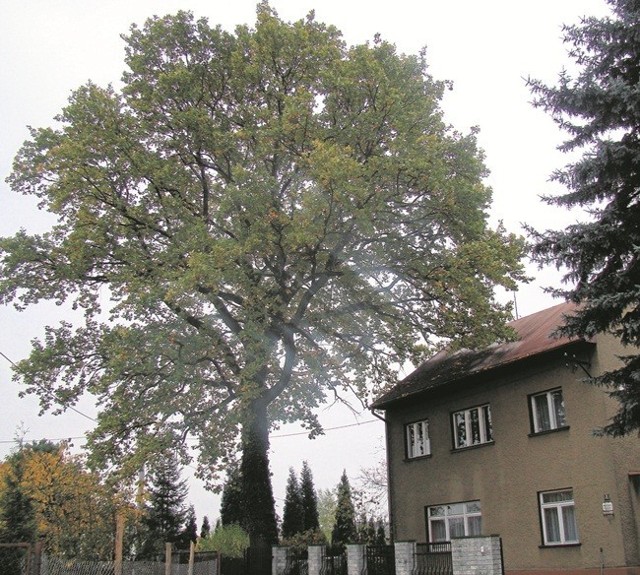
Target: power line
x=68, y=407
x=195, y=438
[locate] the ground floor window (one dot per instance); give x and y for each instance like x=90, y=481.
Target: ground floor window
x=558, y=517
x=454, y=520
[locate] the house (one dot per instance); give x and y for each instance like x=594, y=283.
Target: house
x=501, y=441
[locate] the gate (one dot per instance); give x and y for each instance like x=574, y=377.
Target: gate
x=380, y=560
x=433, y=559
x=334, y=562
x=297, y=562
x=255, y=561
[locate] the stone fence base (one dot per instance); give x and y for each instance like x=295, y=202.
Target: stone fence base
x=469, y=556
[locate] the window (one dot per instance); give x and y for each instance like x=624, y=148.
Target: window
x=454, y=520
x=472, y=427
x=547, y=411
x=418, y=444
x=558, y=517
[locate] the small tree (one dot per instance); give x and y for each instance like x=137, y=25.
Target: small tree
x=310, y=519
x=344, y=529
x=190, y=532
x=228, y=540
x=166, y=510
x=293, y=513
x=327, y=511
x=231, y=502
x=205, y=530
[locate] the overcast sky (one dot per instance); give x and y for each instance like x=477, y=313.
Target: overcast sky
x=486, y=48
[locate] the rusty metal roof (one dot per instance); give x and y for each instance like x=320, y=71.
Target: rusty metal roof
x=534, y=336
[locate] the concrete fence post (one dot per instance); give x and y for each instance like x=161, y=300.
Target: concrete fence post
x=168, y=553
x=355, y=559
x=405, y=557
x=314, y=559
x=477, y=555
x=279, y=557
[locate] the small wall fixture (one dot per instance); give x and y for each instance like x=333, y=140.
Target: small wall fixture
x=607, y=505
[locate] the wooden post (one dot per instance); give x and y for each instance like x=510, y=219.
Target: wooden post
x=167, y=559
x=119, y=542
x=192, y=552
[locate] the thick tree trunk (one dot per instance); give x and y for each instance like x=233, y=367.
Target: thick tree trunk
x=258, y=513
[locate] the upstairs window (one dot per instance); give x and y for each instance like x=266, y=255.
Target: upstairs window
x=558, y=515
x=417, y=437
x=547, y=411
x=454, y=520
x=472, y=427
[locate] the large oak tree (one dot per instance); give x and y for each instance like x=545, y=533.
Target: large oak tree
x=255, y=220
x=599, y=109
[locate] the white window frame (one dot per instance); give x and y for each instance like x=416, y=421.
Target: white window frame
x=557, y=420
x=417, y=440
x=563, y=512
x=469, y=511
x=485, y=426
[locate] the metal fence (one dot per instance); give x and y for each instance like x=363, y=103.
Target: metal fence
x=433, y=559
x=57, y=566
x=334, y=563
x=380, y=560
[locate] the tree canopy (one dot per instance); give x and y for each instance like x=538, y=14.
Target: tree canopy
x=47, y=493
x=599, y=108
x=254, y=221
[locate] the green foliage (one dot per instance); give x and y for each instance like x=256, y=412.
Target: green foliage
x=205, y=530
x=309, y=500
x=231, y=502
x=229, y=540
x=600, y=111
x=166, y=510
x=301, y=540
x=344, y=529
x=327, y=511
x=293, y=512
x=47, y=493
x=189, y=533
x=274, y=215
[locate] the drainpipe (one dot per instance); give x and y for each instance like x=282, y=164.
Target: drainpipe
x=392, y=530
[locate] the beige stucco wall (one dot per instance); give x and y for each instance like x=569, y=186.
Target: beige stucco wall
x=507, y=475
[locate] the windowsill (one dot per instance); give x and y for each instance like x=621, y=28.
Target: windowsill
x=559, y=545
x=418, y=458
x=548, y=431
x=476, y=446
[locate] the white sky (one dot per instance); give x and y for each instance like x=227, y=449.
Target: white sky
x=487, y=48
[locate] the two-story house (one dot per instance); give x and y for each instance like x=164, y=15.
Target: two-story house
x=501, y=441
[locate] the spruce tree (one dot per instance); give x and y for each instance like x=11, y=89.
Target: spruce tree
x=231, y=502
x=293, y=513
x=166, y=511
x=205, y=530
x=599, y=108
x=190, y=532
x=310, y=520
x=344, y=528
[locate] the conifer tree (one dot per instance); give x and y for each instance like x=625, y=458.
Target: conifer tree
x=190, y=531
x=344, y=528
x=599, y=108
x=231, y=502
x=166, y=511
x=293, y=513
x=205, y=530
x=310, y=520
